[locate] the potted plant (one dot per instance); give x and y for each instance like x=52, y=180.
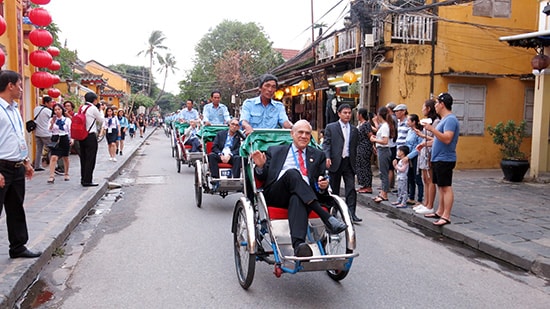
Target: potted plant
x=509, y=136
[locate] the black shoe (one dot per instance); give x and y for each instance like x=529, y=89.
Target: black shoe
x=117, y=151
x=38, y=169
x=59, y=172
x=335, y=226
x=26, y=254
x=90, y=184
x=303, y=250
x=120, y=153
x=355, y=219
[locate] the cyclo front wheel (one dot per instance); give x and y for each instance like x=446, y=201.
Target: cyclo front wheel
x=337, y=244
x=198, y=185
x=245, y=262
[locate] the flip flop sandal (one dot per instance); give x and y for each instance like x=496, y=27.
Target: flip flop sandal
x=379, y=199
x=432, y=216
x=441, y=222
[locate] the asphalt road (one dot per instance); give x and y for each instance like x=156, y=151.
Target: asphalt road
x=153, y=248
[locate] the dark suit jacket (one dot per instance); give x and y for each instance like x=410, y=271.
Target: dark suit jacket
x=334, y=144
x=219, y=143
x=275, y=159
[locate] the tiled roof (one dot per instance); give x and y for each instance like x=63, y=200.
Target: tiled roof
x=287, y=53
x=92, y=78
x=112, y=93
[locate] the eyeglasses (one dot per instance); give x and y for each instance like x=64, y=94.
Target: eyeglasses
x=233, y=124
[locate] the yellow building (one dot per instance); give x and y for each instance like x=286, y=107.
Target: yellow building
x=16, y=46
x=489, y=81
x=117, y=89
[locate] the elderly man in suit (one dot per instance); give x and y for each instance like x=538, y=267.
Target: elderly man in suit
x=340, y=148
x=293, y=179
x=225, y=148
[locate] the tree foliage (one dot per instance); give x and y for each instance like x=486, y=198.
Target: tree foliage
x=229, y=58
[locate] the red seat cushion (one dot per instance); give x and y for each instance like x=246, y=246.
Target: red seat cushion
x=209, y=147
x=225, y=165
x=276, y=213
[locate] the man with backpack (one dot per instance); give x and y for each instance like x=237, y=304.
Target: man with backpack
x=88, y=145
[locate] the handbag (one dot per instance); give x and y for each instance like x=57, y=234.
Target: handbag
x=31, y=124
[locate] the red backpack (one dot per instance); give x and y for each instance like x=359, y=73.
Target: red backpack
x=79, y=131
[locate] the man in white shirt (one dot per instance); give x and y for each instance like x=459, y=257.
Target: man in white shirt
x=88, y=146
x=42, y=134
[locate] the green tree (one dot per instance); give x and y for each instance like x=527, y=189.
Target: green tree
x=168, y=64
x=229, y=58
x=154, y=44
x=140, y=99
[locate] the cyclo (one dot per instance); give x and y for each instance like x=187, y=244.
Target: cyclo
x=203, y=177
x=181, y=151
x=261, y=232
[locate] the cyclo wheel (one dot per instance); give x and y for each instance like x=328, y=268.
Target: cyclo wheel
x=178, y=160
x=337, y=244
x=198, y=186
x=245, y=262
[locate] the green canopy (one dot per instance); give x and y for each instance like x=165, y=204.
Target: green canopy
x=181, y=126
x=261, y=139
x=208, y=133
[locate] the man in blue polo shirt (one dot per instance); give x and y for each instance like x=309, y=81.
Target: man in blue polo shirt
x=188, y=113
x=215, y=112
x=262, y=112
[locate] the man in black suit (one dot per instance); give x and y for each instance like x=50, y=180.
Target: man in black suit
x=225, y=148
x=293, y=179
x=340, y=148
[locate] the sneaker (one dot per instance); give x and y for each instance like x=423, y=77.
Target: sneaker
x=120, y=153
x=114, y=159
x=425, y=210
x=117, y=151
x=419, y=206
x=110, y=159
x=59, y=172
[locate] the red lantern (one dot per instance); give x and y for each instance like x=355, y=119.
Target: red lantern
x=40, y=17
x=40, y=58
x=40, y=2
x=54, y=92
x=54, y=51
x=41, y=37
x=3, y=25
x=2, y=57
x=41, y=79
x=55, y=79
x=540, y=62
x=54, y=66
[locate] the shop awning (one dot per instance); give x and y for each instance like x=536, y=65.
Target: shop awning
x=529, y=40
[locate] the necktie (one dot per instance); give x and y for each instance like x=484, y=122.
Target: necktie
x=303, y=168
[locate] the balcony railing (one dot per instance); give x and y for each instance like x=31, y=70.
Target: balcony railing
x=408, y=28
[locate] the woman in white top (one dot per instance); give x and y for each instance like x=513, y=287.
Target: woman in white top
x=60, y=128
x=386, y=131
x=111, y=128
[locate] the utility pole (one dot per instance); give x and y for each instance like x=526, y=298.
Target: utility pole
x=362, y=13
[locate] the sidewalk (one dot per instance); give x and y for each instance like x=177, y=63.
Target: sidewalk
x=509, y=221
x=53, y=211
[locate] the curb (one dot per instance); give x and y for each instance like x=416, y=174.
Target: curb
x=524, y=259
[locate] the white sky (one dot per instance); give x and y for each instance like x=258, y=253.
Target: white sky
x=114, y=31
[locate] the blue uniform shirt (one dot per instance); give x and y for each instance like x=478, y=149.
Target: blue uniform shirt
x=215, y=115
x=272, y=116
x=189, y=115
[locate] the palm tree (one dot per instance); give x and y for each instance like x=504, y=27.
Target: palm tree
x=168, y=63
x=155, y=43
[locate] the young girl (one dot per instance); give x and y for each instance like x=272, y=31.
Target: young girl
x=111, y=126
x=60, y=127
x=402, y=169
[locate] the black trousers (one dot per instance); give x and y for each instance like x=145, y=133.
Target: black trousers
x=292, y=192
x=12, y=197
x=88, y=155
x=214, y=159
x=345, y=171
